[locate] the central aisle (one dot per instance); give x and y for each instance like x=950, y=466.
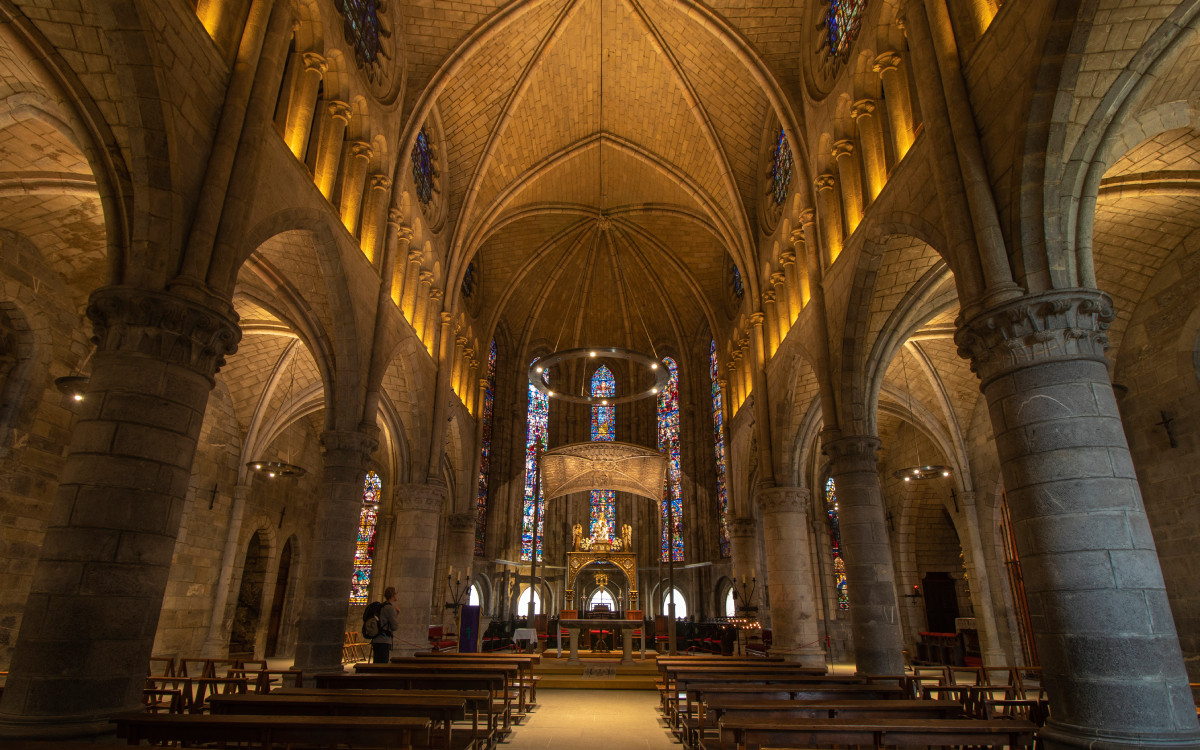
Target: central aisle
x=593, y=720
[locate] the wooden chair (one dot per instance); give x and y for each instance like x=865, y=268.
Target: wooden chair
x=161, y=666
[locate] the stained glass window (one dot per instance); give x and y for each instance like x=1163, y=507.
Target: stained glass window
x=735, y=281
x=536, y=431
x=719, y=434
x=468, y=282
x=781, y=169
x=362, y=27
x=364, y=548
x=423, y=171
x=835, y=537
x=842, y=22
x=485, y=452
x=604, y=428
x=668, y=442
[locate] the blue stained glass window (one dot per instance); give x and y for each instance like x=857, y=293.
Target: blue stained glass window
x=485, y=451
x=423, y=171
x=604, y=428
x=362, y=27
x=781, y=170
x=364, y=548
x=536, y=431
x=735, y=281
x=842, y=22
x=668, y=442
x=719, y=434
x=835, y=537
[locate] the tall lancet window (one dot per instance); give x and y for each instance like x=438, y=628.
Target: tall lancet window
x=364, y=548
x=485, y=452
x=835, y=539
x=668, y=442
x=604, y=428
x=719, y=435
x=537, y=430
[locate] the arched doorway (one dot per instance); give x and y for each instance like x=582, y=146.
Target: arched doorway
x=249, y=602
x=278, y=598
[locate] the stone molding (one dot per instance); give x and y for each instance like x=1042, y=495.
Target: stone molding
x=424, y=497
x=772, y=500
x=742, y=528
x=163, y=326
x=460, y=523
x=852, y=454
x=1057, y=326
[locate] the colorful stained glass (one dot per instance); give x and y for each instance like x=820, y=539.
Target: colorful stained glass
x=719, y=435
x=668, y=442
x=781, y=169
x=362, y=27
x=536, y=431
x=468, y=282
x=364, y=548
x=604, y=428
x=423, y=171
x=735, y=281
x=835, y=537
x=842, y=22
x=485, y=451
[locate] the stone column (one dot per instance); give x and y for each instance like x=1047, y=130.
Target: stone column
x=329, y=147
x=404, y=235
x=773, y=326
x=831, y=218
x=790, y=575
x=420, y=304
x=216, y=643
x=460, y=553
x=779, y=282
x=378, y=187
x=867, y=550
x=850, y=179
x=889, y=66
x=416, y=555
x=870, y=137
x=354, y=180
x=429, y=335
x=795, y=293
x=1110, y=656
x=303, y=101
x=412, y=277
x=331, y=555
x=459, y=366
x=107, y=551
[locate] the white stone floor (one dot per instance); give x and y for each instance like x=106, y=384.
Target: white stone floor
x=593, y=720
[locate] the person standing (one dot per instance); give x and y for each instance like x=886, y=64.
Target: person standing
x=389, y=622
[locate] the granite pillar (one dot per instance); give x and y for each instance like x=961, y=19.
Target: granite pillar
x=415, y=554
x=790, y=575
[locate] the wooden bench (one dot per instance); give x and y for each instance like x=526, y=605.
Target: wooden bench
x=478, y=704
x=267, y=731
x=753, y=734
x=698, y=692
x=440, y=710
x=672, y=675
x=492, y=683
x=513, y=668
x=525, y=661
x=508, y=672
x=681, y=692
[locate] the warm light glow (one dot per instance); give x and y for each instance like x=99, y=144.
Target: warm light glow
x=654, y=390
x=539, y=369
x=78, y=397
x=591, y=354
x=908, y=479
x=654, y=367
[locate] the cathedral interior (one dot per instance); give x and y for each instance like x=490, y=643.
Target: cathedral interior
x=924, y=276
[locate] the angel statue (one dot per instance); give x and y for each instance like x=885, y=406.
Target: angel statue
x=626, y=536
x=576, y=535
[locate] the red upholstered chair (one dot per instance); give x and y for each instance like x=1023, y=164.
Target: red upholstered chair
x=440, y=641
x=635, y=614
x=660, y=631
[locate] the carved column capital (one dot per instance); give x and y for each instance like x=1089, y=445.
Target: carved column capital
x=436, y=295
x=460, y=523
x=349, y=447
x=415, y=254
x=404, y=232
x=863, y=108
x=778, y=278
x=773, y=500
x=1059, y=325
x=380, y=182
x=886, y=61
x=768, y=296
x=825, y=182
x=339, y=111
x=853, y=453
x=426, y=277
x=807, y=218
x=742, y=528
x=844, y=147
x=360, y=148
x=313, y=61
x=163, y=326
x=422, y=497
x=756, y=318
x=787, y=257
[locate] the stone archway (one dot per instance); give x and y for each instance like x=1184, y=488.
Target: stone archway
x=247, y=614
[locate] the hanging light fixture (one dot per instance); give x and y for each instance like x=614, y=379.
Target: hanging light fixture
x=73, y=387
x=274, y=468
x=921, y=471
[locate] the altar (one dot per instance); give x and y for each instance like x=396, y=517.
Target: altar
x=626, y=627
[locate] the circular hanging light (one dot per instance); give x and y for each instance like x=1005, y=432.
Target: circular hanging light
x=921, y=473
x=72, y=386
x=656, y=366
x=276, y=469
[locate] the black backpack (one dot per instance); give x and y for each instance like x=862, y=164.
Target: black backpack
x=371, y=625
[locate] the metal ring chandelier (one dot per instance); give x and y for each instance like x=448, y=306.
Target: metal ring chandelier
x=542, y=365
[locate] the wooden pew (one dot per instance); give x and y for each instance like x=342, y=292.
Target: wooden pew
x=267, y=731
x=673, y=674
x=714, y=708
x=492, y=683
x=440, y=710
x=753, y=734
x=522, y=678
x=697, y=692
x=478, y=703
x=681, y=691
x=526, y=661
x=509, y=673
